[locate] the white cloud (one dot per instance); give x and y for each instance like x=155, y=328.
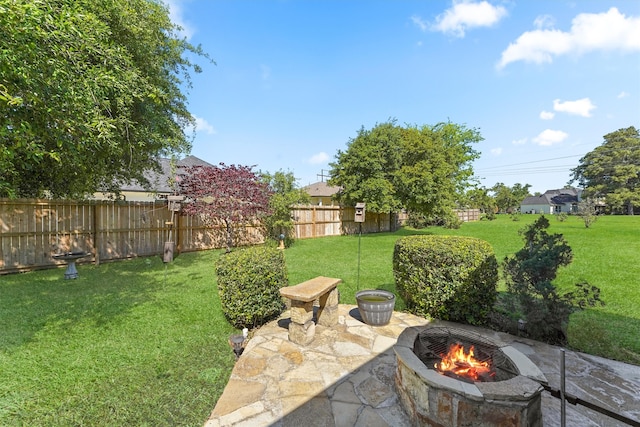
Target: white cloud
x=581, y=107
x=496, y=151
x=418, y=22
x=623, y=94
x=175, y=14
x=549, y=137
x=203, y=126
x=520, y=141
x=589, y=31
x=544, y=21
x=319, y=158
x=465, y=15
x=546, y=115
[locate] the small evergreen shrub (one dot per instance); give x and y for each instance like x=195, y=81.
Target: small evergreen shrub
x=249, y=282
x=446, y=277
x=529, y=274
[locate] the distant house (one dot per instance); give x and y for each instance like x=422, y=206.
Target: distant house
x=160, y=182
x=553, y=202
x=322, y=194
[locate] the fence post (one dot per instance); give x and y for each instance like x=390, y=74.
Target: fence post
x=96, y=246
x=313, y=222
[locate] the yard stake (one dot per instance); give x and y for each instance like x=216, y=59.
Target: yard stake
x=358, y=275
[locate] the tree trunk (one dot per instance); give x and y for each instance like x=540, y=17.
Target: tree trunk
x=629, y=208
x=229, y=235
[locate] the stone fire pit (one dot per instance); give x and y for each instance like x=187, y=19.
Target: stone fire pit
x=512, y=398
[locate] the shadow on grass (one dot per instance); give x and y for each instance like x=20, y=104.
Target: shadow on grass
x=402, y=232
x=604, y=334
x=44, y=299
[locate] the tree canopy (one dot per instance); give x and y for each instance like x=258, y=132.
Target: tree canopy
x=508, y=199
x=91, y=94
x=422, y=169
x=224, y=194
x=612, y=170
x=479, y=198
x=284, y=194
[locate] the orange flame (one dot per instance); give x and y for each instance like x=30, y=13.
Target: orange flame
x=463, y=364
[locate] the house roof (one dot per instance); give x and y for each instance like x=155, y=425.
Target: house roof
x=321, y=189
x=160, y=181
x=554, y=197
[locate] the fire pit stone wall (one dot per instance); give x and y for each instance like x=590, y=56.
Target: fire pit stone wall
x=432, y=399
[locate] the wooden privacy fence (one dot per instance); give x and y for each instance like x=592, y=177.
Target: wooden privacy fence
x=466, y=215
x=31, y=231
x=318, y=221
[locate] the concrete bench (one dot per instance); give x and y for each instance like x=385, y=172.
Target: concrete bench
x=302, y=329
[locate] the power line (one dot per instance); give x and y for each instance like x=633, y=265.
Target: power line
x=533, y=161
x=504, y=170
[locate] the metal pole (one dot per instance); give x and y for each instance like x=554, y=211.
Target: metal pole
x=358, y=277
x=563, y=412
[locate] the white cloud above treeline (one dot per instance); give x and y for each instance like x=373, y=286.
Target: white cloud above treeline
x=608, y=31
x=203, y=126
x=175, y=14
x=581, y=107
x=319, y=158
x=462, y=16
x=550, y=137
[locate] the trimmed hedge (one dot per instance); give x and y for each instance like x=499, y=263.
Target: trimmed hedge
x=249, y=282
x=446, y=277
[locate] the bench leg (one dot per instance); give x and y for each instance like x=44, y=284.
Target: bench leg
x=328, y=311
x=301, y=329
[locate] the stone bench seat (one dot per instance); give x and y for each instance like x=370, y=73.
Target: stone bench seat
x=302, y=296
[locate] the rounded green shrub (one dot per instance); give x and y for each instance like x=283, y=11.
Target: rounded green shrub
x=446, y=277
x=249, y=282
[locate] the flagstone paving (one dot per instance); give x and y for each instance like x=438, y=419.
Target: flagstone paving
x=345, y=377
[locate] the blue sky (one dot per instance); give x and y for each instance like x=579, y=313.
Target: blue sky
x=294, y=81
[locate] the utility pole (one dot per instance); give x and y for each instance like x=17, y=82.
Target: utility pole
x=322, y=176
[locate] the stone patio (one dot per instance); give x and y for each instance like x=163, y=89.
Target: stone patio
x=345, y=377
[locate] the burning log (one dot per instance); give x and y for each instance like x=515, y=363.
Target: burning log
x=461, y=364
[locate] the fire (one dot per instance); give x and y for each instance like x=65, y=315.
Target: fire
x=463, y=364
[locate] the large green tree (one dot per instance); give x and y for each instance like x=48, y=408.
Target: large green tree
x=479, y=198
x=612, y=170
x=91, y=94
x=422, y=169
x=366, y=170
x=508, y=199
x=284, y=194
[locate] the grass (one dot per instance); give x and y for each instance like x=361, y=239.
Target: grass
x=143, y=343
x=606, y=255
x=126, y=343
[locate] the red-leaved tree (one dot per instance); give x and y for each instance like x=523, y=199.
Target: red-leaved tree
x=228, y=194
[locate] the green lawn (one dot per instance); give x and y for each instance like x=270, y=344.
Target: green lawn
x=606, y=255
x=126, y=343
x=143, y=343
